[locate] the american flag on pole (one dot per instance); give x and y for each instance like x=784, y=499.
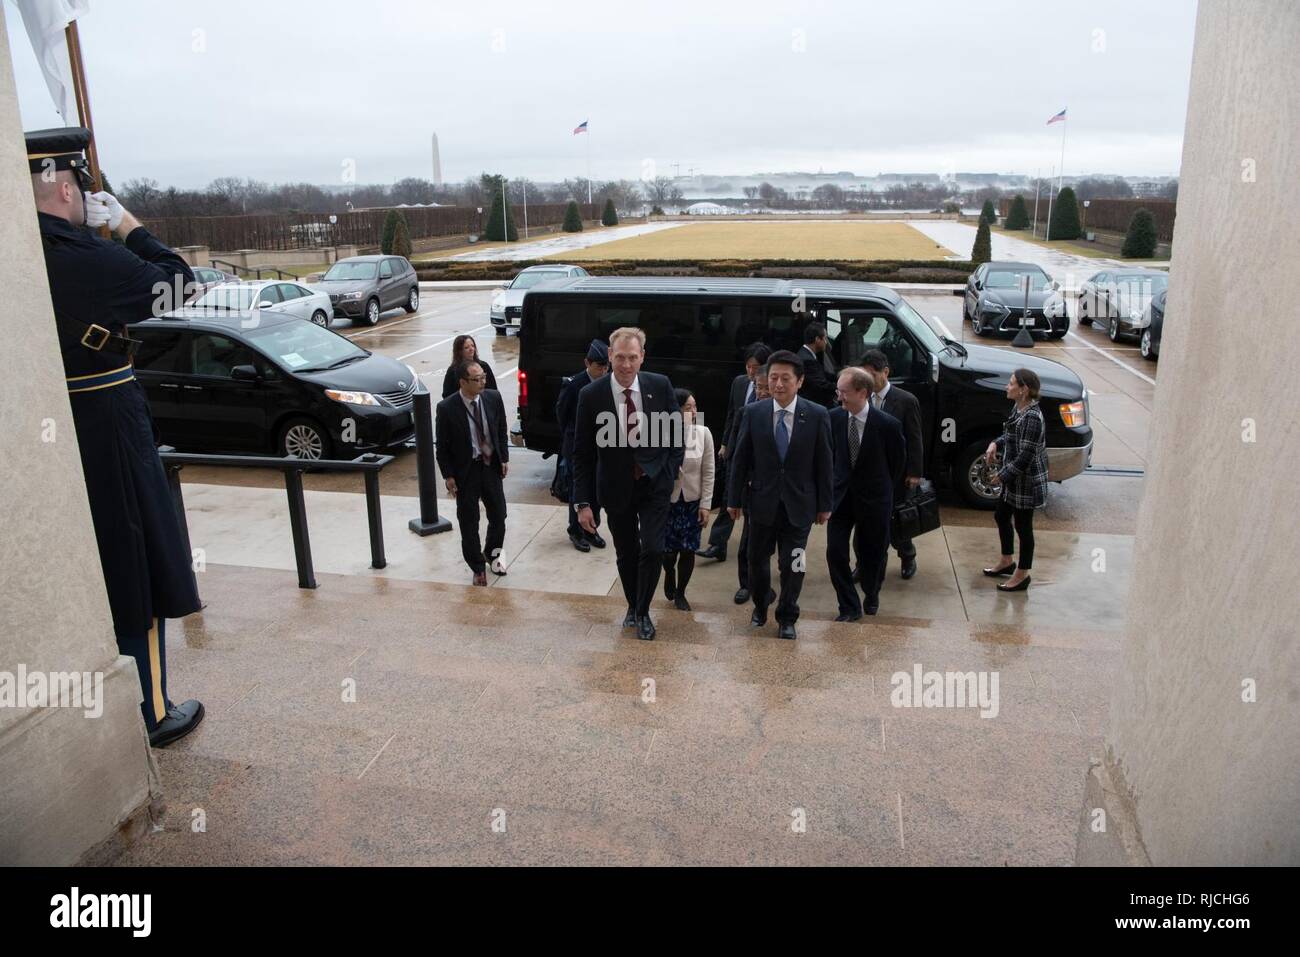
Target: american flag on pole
x=580, y=128
x=1058, y=118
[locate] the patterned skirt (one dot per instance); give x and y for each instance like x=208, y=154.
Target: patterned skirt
x=682, y=530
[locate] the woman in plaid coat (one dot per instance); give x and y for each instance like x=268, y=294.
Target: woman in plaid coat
x=1023, y=478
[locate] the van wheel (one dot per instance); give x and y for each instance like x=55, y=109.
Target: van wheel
x=413, y=300
x=302, y=438
x=970, y=476
x=320, y=319
x=372, y=312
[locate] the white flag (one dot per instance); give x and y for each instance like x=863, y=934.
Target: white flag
x=46, y=21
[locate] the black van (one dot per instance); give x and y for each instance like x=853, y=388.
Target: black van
x=697, y=331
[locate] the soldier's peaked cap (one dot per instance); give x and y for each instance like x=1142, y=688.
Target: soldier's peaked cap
x=64, y=145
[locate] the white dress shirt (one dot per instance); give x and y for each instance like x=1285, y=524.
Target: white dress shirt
x=620, y=404
x=475, y=442
x=878, y=398
x=789, y=421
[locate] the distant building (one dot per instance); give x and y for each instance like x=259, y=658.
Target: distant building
x=707, y=209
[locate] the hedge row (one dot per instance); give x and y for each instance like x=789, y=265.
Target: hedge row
x=883, y=271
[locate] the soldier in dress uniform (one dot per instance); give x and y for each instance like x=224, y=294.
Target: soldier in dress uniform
x=97, y=287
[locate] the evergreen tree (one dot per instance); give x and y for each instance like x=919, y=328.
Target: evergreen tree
x=390, y=230
x=1140, y=243
x=1018, y=214
x=572, y=218
x=1065, y=217
x=610, y=216
x=988, y=212
x=401, y=237
x=982, y=251
x=493, y=230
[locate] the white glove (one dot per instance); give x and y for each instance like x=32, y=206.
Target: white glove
x=103, y=209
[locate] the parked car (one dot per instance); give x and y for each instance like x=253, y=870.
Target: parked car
x=267, y=296
x=995, y=301
x=259, y=382
x=205, y=277
x=365, y=287
x=1119, y=298
x=507, y=304
x=697, y=330
x=1153, y=325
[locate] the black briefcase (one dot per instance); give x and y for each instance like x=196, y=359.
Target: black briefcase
x=916, y=514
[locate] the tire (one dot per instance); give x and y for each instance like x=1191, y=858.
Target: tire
x=1112, y=330
x=977, y=326
x=372, y=313
x=1147, y=352
x=319, y=318
x=976, y=493
x=1057, y=334
x=302, y=438
x=413, y=300
x=500, y=330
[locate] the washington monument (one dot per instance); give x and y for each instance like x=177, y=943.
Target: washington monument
x=437, y=163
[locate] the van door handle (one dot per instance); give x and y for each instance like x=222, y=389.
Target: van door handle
x=168, y=385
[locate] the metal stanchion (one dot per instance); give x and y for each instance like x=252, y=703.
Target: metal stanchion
x=426, y=470
x=1023, y=339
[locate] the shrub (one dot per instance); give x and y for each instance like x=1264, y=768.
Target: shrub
x=1065, y=217
x=1017, y=215
x=389, y=231
x=401, y=245
x=982, y=251
x=1140, y=243
x=493, y=230
x=988, y=213
x=572, y=218
x=610, y=216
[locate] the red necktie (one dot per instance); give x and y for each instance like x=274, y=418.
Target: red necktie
x=629, y=410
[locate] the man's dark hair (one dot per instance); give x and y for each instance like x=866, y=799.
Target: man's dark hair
x=814, y=330
x=760, y=352
x=462, y=369
x=786, y=357
x=875, y=359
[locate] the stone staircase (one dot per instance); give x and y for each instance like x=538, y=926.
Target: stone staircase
x=383, y=721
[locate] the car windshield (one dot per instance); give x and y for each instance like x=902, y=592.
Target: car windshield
x=350, y=271
x=527, y=280
x=917, y=325
x=1014, y=279
x=303, y=346
x=229, y=297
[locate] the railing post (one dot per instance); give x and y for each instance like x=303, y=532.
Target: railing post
x=426, y=469
x=377, y=559
x=298, y=522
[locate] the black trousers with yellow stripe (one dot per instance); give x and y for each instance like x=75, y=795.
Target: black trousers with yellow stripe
x=150, y=653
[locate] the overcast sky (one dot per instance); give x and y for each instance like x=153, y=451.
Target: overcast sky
x=187, y=90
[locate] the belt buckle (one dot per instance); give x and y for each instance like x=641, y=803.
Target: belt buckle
x=105, y=335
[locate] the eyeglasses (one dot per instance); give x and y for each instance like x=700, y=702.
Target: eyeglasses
x=475, y=378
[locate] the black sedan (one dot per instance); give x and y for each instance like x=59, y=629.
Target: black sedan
x=1153, y=325
x=258, y=383
x=996, y=301
x=1118, y=298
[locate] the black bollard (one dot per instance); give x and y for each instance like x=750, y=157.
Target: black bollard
x=1023, y=339
x=426, y=469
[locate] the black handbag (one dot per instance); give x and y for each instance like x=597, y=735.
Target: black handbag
x=563, y=480
x=916, y=514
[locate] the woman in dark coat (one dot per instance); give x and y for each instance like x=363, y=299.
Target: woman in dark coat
x=464, y=349
x=1023, y=478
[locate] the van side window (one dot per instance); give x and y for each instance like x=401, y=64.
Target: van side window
x=860, y=330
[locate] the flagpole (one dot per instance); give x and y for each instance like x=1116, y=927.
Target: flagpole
x=1038, y=184
x=523, y=184
x=1061, y=176
x=588, y=164
x=82, y=97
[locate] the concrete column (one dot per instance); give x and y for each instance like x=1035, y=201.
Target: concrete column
x=1203, y=756
x=70, y=785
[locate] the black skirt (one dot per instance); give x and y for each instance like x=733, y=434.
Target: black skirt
x=147, y=566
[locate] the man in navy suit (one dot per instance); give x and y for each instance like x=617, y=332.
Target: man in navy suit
x=628, y=447
x=566, y=415
x=870, y=455
x=783, y=452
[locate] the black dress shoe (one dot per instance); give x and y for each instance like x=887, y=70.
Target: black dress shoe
x=1022, y=585
x=849, y=617
x=645, y=628
x=759, y=618
x=742, y=596
x=181, y=719
x=680, y=603
x=579, y=542
x=595, y=539
x=714, y=552
x=909, y=567
x=871, y=607
x=999, y=572
x=786, y=631
x=629, y=620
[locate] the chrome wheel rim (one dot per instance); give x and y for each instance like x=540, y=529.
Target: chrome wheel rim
x=372, y=313
x=415, y=300
x=1114, y=330
x=303, y=442
x=1146, y=344
x=320, y=319
x=976, y=475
